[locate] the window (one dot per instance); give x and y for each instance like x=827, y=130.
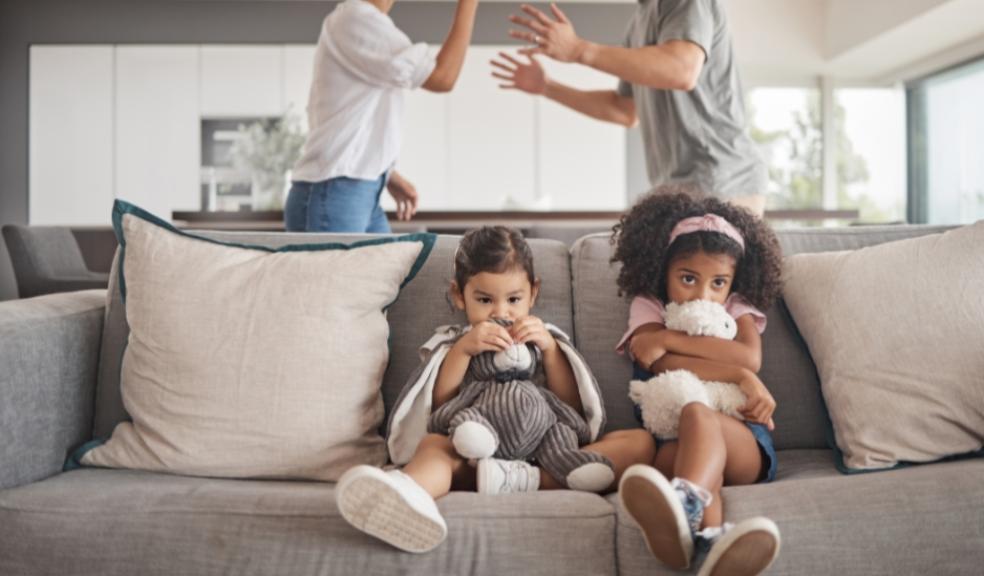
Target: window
x=785, y=122
x=871, y=161
x=946, y=146
x=868, y=170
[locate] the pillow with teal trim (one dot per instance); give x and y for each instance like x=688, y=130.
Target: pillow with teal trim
x=251, y=362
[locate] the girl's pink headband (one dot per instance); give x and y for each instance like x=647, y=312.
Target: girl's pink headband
x=707, y=223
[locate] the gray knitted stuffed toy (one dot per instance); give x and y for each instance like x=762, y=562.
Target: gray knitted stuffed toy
x=499, y=411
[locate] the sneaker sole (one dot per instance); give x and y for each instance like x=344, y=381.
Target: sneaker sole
x=483, y=478
x=370, y=503
x=652, y=503
x=746, y=550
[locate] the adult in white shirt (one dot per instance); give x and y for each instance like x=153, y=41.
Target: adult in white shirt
x=362, y=65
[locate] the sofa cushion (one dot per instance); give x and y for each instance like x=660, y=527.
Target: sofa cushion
x=915, y=520
x=895, y=331
x=122, y=522
x=249, y=362
x=422, y=307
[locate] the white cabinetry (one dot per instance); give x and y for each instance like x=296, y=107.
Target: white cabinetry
x=125, y=121
x=241, y=81
x=581, y=160
x=485, y=148
x=424, y=155
x=71, y=135
x=491, y=140
x=158, y=131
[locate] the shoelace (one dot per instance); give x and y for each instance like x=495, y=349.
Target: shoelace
x=693, y=506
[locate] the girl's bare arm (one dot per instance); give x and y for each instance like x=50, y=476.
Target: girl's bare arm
x=744, y=351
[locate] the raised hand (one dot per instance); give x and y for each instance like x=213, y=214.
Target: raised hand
x=554, y=37
x=528, y=77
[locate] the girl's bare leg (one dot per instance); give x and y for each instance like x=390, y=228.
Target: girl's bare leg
x=713, y=450
x=623, y=447
x=437, y=467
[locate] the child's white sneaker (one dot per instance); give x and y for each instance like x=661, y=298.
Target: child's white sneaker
x=497, y=476
x=668, y=513
x=392, y=507
x=744, y=549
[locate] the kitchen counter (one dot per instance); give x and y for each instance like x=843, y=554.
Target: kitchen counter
x=455, y=222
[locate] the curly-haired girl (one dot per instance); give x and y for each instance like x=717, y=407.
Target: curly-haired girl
x=676, y=247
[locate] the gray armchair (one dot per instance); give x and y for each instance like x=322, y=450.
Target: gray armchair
x=48, y=259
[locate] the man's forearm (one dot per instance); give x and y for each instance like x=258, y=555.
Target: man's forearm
x=675, y=65
x=604, y=105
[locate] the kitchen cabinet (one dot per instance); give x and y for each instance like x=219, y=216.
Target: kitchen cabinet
x=492, y=140
x=581, y=160
x=126, y=122
x=241, y=81
x=70, y=135
x=158, y=130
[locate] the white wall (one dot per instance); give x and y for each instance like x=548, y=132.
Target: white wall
x=886, y=41
x=777, y=42
x=849, y=23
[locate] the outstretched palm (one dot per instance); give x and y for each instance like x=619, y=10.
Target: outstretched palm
x=517, y=75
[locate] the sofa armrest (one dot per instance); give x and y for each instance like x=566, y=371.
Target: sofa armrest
x=90, y=281
x=49, y=355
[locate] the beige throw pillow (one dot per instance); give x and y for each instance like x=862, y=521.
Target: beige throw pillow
x=897, y=334
x=252, y=362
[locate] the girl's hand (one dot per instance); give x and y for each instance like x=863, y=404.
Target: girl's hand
x=484, y=337
x=647, y=347
x=532, y=329
x=516, y=75
x=760, y=404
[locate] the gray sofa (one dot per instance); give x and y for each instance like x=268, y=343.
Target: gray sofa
x=59, y=369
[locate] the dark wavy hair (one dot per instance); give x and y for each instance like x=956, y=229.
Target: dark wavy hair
x=492, y=249
x=642, y=245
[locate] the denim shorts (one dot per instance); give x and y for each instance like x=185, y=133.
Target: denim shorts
x=760, y=431
x=336, y=205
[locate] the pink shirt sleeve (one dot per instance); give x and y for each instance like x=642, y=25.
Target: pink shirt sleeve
x=642, y=311
x=737, y=306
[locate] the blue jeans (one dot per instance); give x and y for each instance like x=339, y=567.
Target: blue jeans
x=336, y=205
x=763, y=437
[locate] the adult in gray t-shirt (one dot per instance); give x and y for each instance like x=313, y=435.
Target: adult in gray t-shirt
x=677, y=78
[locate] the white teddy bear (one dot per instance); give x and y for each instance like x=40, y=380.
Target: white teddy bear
x=662, y=397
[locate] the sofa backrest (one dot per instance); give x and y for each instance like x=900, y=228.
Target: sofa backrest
x=600, y=319
x=420, y=309
x=588, y=308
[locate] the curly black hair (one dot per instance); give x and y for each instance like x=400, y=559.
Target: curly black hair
x=642, y=244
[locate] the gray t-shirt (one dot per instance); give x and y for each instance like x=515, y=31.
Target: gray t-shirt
x=699, y=136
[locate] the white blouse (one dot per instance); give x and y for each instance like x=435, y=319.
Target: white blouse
x=362, y=64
